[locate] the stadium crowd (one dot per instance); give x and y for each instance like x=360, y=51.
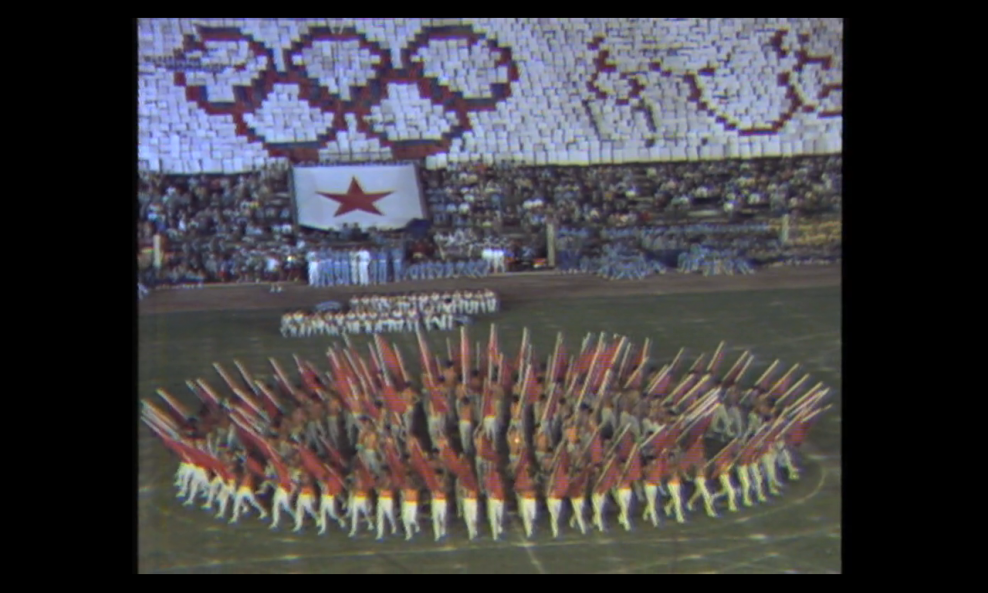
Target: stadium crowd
x=239, y=228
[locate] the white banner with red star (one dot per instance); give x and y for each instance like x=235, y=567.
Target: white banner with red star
x=385, y=196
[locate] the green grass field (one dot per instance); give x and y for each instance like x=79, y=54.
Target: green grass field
x=797, y=532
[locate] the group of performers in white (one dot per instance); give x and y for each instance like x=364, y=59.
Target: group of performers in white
x=387, y=313
x=601, y=426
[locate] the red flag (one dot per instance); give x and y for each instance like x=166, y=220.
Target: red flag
x=270, y=402
x=665, y=439
x=559, y=482
x=505, y=373
x=178, y=411
x=695, y=454
x=493, y=484
x=523, y=350
x=798, y=432
x=633, y=469
x=583, y=364
x=660, y=383
x=207, y=395
x=438, y=403
x=486, y=450
x=309, y=380
x=208, y=461
x=763, y=381
x=700, y=428
x=425, y=354
x=531, y=388
x=608, y=478
x=393, y=460
x=375, y=368
x=684, y=385
x=596, y=448
x=688, y=397
x=254, y=466
x=783, y=384
x=448, y=458
x=169, y=442
x=578, y=483
x=312, y=463
x=560, y=364
x=464, y=353
x=421, y=465
x=625, y=445
x=733, y=374
x=493, y=349
x=464, y=473
x=389, y=358
x=247, y=436
x=285, y=381
x=336, y=460
x=364, y=479
x=161, y=418
x=523, y=481
x=718, y=357
x=255, y=407
x=392, y=400
x=246, y=416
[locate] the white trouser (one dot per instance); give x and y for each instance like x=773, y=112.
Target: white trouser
x=199, y=480
x=282, y=500
x=529, y=510
x=495, y=516
x=701, y=490
x=470, y=516
x=676, y=502
x=555, y=509
x=769, y=463
x=305, y=503
x=409, y=517
x=223, y=496
x=327, y=506
x=651, y=496
x=745, y=485
x=466, y=436
x=578, y=502
x=727, y=489
x=624, y=503
x=359, y=505
x=439, y=517
x=183, y=478
x=245, y=495
x=385, y=510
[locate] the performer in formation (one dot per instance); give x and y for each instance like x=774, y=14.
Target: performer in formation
x=602, y=424
x=374, y=314
x=355, y=266
x=713, y=262
x=462, y=268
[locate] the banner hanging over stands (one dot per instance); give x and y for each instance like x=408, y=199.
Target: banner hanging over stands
x=385, y=196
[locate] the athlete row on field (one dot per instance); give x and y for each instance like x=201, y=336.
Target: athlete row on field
x=355, y=454
x=373, y=314
x=455, y=302
x=302, y=325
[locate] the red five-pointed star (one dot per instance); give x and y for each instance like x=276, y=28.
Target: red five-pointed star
x=356, y=199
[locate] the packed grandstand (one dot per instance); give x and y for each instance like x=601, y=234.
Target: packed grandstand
x=612, y=146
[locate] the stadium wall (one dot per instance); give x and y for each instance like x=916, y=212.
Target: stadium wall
x=228, y=95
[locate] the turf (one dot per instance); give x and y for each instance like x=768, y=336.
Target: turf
x=797, y=532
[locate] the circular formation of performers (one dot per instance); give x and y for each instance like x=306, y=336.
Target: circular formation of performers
x=367, y=445
x=386, y=313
